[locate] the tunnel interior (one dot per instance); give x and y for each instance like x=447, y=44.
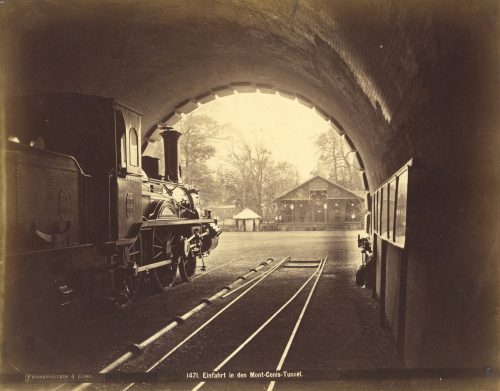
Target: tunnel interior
x=402, y=80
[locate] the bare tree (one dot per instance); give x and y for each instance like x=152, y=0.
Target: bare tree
x=253, y=179
x=337, y=160
x=196, y=147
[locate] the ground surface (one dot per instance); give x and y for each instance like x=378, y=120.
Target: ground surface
x=340, y=330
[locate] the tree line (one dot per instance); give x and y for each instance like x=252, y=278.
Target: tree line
x=247, y=175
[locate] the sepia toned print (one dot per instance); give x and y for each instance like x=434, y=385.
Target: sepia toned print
x=226, y=194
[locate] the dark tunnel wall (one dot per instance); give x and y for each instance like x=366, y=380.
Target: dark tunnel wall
x=405, y=79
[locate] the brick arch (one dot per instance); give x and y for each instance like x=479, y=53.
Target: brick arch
x=189, y=105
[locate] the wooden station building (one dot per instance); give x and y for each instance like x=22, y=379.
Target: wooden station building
x=319, y=204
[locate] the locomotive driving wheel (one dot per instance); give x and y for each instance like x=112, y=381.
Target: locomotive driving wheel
x=187, y=267
x=131, y=281
x=164, y=246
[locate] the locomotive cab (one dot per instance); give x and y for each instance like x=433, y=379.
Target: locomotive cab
x=128, y=190
x=101, y=209
x=104, y=138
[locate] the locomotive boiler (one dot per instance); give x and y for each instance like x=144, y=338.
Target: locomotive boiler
x=87, y=215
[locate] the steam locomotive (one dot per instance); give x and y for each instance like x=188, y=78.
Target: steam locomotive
x=87, y=215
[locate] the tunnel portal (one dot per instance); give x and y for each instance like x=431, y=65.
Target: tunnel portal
x=404, y=80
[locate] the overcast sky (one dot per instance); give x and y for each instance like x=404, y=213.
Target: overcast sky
x=288, y=128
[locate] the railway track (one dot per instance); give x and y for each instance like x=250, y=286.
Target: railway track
x=175, y=321
x=138, y=358
x=319, y=265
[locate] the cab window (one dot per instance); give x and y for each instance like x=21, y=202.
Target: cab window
x=123, y=152
x=134, y=147
x=121, y=139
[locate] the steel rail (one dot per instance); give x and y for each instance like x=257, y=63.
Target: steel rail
x=244, y=285
x=216, y=315
x=137, y=349
x=296, y=327
x=263, y=325
x=218, y=267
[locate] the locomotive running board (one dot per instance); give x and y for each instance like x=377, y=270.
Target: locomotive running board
x=163, y=223
x=153, y=265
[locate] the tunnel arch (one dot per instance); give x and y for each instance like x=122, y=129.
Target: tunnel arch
x=405, y=79
x=308, y=44
x=189, y=105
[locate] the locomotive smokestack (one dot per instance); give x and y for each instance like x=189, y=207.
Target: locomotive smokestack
x=171, y=149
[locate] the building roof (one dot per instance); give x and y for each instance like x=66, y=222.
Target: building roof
x=246, y=214
x=322, y=178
